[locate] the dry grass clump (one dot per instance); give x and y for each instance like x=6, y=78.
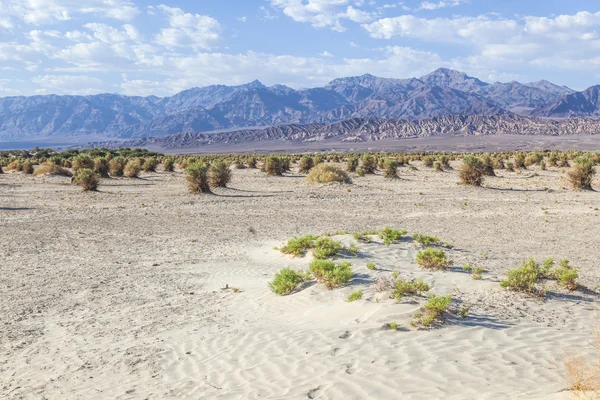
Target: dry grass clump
x=582, y=374
x=324, y=173
x=50, y=168
x=197, y=178
x=434, y=259
x=220, y=174
x=581, y=173
x=287, y=281
x=133, y=168
x=87, y=179
x=471, y=171
x=331, y=274
x=306, y=164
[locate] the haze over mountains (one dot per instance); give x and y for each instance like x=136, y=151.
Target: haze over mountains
x=441, y=93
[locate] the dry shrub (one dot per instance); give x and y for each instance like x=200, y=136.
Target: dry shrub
x=273, y=166
x=581, y=173
x=150, y=165
x=390, y=168
x=87, y=179
x=133, y=168
x=101, y=166
x=50, y=168
x=583, y=376
x=324, y=173
x=220, y=174
x=369, y=163
x=197, y=178
x=115, y=166
x=27, y=167
x=169, y=164
x=306, y=164
x=252, y=163
x=471, y=171
x=352, y=164
x=82, y=161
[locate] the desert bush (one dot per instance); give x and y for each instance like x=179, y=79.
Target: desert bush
x=426, y=240
x=169, y=164
x=50, y=168
x=196, y=175
x=434, y=259
x=403, y=288
x=476, y=272
x=523, y=278
x=390, y=235
x=306, y=163
x=133, y=168
x=115, y=166
x=287, y=281
x=437, y=166
x=390, y=168
x=330, y=273
x=82, y=161
x=471, y=171
x=371, y=266
x=583, y=374
x=352, y=164
x=219, y=174
x=369, y=163
x=27, y=167
x=434, y=310
x=393, y=325
x=87, y=179
x=532, y=159
x=428, y=161
x=150, y=164
x=326, y=248
x=487, y=166
x=444, y=162
x=566, y=275
x=252, y=162
x=543, y=165
x=297, y=246
x=581, y=173
x=364, y=236
x=519, y=161
x=360, y=171
x=510, y=166
x=355, y=296
x=101, y=166
x=324, y=173
x=273, y=166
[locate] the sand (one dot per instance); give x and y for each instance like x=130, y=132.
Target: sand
x=118, y=294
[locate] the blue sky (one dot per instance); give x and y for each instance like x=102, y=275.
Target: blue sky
x=142, y=47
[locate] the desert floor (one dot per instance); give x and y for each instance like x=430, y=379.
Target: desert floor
x=118, y=293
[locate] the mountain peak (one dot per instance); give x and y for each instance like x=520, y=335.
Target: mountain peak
x=449, y=78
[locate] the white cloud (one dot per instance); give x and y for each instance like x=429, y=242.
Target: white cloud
x=242, y=19
x=324, y=13
x=68, y=84
x=188, y=30
x=326, y=54
x=428, y=5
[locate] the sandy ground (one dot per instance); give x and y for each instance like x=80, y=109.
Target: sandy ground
x=117, y=294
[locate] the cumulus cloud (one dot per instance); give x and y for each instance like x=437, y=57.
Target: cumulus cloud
x=68, y=84
x=428, y=5
x=188, y=30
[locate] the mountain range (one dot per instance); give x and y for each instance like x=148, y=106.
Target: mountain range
x=443, y=92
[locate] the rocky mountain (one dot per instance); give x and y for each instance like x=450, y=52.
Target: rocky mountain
x=372, y=129
x=443, y=92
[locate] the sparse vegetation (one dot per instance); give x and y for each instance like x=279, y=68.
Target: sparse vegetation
x=297, y=246
x=219, y=174
x=357, y=295
x=196, y=175
x=331, y=274
x=390, y=168
x=471, y=171
x=434, y=259
x=433, y=312
x=371, y=266
x=523, y=278
x=87, y=179
x=390, y=235
x=581, y=173
x=326, y=248
x=324, y=173
x=475, y=271
x=403, y=288
x=287, y=281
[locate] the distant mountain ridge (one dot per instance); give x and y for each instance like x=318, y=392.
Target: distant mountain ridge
x=443, y=92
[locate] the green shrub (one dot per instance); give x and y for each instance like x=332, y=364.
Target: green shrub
x=360, y=171
x=306, y=164
x=519, y=161
x=390, y=168
x=82, y=161
x=324, y=173
x=523, y=278
x=220, y=174
x=273, y=166
x=476, y=272
x=428, y=161
x=101, y=166
x=252, y=162
x=434, y=259
x=369, y=164
x=297, y=246
x=287, y=281
x=352, y=164
x=371, y=266
x=353, y=250
x=390, y=235
x=326, y=248
x=169, y=164
x=87, y=179
x=566, y=275
x=510, y=166
x=133, y=168
x=471, y=171
x=115, y=166
x=27, y=167
x=426, y=240
x=197, y=178
x=581, y=173
x=393, y=325
x=364, y=236
x=434, y=310
x=355, y=296
x=330, y=273
x=150, y=164
x=408, y=288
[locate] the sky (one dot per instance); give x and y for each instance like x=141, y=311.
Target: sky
x=146, y=47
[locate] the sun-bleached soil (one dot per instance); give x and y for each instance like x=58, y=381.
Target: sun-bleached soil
x=118, y=293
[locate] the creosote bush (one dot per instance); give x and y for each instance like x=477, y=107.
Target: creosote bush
x=287, y=281
x=306, y=164
x=169, y=164
x=324, y=173
x=352, y=164
x=101, y=166
x=274, y=166
x=369, y=163
x=434, y=259
x=196, y=175
x=331, y=274
x=115, y=166
x=471, y=171
x=150, y=164
x=220, y=174
x=133, y=168
x=87, y=179
x=581, y=173
x=390, y=168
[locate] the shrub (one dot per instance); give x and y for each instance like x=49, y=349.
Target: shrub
x=101, y=166
x=169, y=164
x=566, y=275
x=50, y=168
x=331, y=274
x=115, y=166
x=390, y=168
x=523, y=278
x=437, y=166
x=364, y=236
x=27, y=167
x=252, y=162
x=405, y=288
x=287, y=281
x=353, y=250
x=583, y=372
x=581, y=173
x=393, y=325
x=519, y=161
x=352, y=164
x=434, y=310
x=431, y=258
x=510, y=166
x=306, y=163
x=297, y=246
x=273, y=166
x=326, y=248
x=428, y=161
x=355, y=296
x=324, y=173
x=371, y=266
x=369, y=163
x=360, y=171
x=197, y=178
x=390, y=235
x=471, y=171
x=426, y=240
x=150, y=164
x=487, y=166
x=476, y=272
x=82, y=161
x=87, y=179
x=220, y=174
x=133, y=168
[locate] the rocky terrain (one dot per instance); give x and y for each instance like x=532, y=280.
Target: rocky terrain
x=442, y=93
x=373, y=129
